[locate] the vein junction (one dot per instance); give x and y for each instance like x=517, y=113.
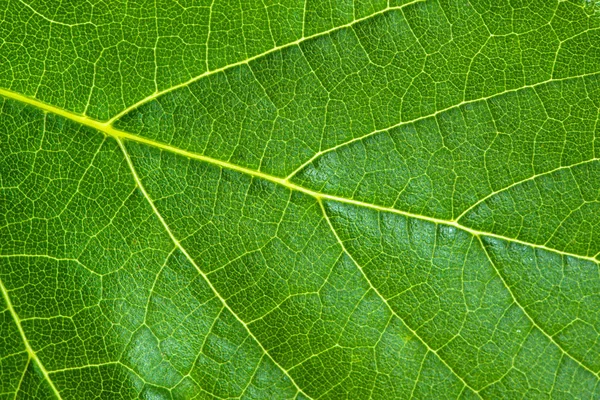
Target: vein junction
x=120, y=136
x=108, y=129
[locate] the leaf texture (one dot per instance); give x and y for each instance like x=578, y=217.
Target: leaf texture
x=300, y=199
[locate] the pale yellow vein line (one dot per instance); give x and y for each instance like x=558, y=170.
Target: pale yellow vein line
x=418, y=378
x=255, y=57
x=514, y=298
x=16, y=255
x=304, y=17
x=98, y=365
x=210, y=13
x=424, y=117
x=118, y=134
x=82, y=265
x=22, y=379
x=453, y=224
x=36, y=12
x=28, y=347
x=341, y=243
x=504, y=189
x=184, y=251
x=81, y=119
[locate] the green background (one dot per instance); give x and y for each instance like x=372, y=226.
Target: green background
x=300, y=199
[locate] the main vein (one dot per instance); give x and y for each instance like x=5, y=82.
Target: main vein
x=109, y=130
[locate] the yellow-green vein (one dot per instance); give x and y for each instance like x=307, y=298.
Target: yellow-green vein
x=32, y=355
x=122, y=135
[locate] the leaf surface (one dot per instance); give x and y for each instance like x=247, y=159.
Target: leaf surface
x=300, y=199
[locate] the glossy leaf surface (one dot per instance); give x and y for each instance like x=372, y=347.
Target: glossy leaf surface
x=300, y=199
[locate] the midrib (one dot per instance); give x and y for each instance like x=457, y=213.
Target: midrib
x=109, y=130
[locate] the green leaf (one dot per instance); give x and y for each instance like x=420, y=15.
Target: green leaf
x=300, y=199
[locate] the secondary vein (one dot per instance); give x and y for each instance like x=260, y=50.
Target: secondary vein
x=175, y=241
x=209, y=72
x=514, y=298
x=32, y=355
x=343, y=247
x=421, y=118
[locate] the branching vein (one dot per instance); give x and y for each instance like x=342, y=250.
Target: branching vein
x=32, y=355
x=191, y=260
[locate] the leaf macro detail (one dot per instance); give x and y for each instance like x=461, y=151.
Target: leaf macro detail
x=300, y=199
